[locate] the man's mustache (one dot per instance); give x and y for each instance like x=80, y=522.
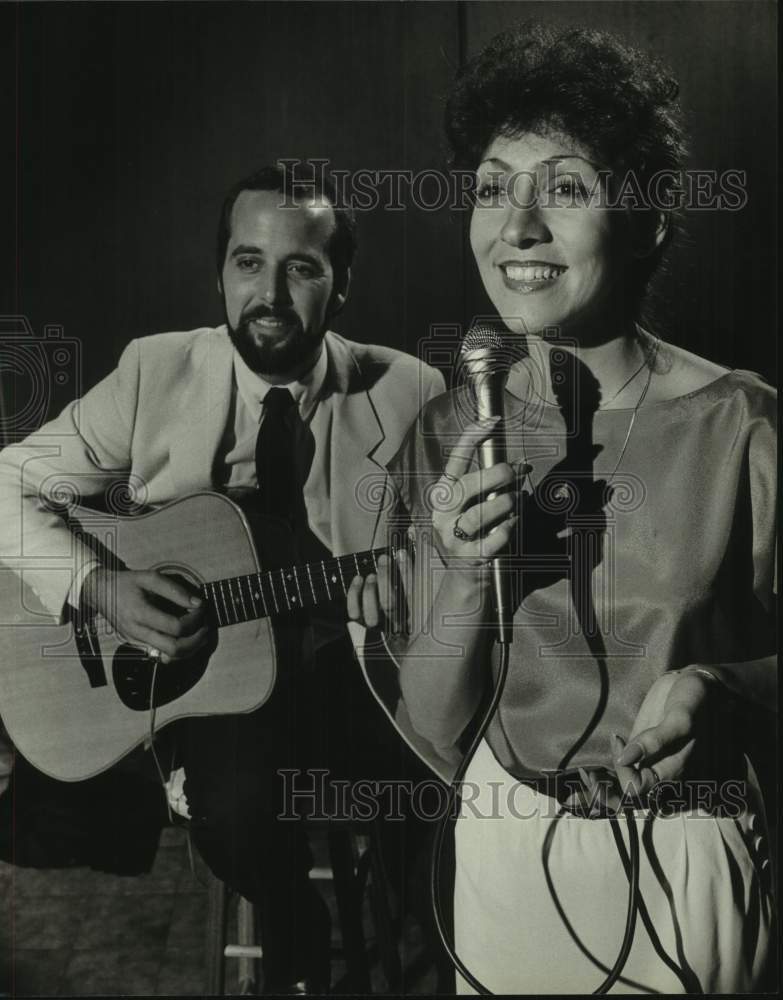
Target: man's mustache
x=265, y=312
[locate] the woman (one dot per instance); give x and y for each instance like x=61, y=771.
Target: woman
x=643, y=533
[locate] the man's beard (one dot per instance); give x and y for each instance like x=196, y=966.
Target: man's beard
x=275, y=353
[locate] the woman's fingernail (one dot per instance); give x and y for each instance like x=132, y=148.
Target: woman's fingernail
x=195, y=602
x=632, y=754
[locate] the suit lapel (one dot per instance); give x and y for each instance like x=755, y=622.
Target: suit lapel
x=203, y=415
x=358, y=450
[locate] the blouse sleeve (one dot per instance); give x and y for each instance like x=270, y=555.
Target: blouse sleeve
x=762, y=468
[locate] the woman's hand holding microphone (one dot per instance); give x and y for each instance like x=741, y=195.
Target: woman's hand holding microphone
x=474, y=515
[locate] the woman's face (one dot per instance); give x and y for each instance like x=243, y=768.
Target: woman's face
x=549, y=250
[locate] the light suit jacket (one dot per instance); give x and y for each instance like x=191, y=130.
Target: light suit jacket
x=153, y=426
x=156, y=422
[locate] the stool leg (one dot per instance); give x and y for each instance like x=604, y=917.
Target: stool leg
x=349, y=908
x=246, y=936
x=217, y=909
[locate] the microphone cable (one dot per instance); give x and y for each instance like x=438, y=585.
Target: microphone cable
x=440, y=834
x=486, y=362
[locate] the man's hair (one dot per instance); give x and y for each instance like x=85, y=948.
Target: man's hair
x=296, y=181
x=614, y=100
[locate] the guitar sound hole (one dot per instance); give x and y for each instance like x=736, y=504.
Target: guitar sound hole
x=133, y=674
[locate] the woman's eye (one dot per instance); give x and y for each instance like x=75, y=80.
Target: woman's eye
x=489, y=192
x=570, y=188
x=247, y=265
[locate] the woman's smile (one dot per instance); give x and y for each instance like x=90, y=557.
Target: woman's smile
x=530, y=276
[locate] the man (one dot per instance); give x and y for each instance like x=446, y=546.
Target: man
x=275, y=405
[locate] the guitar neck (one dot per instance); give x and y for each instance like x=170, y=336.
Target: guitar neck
x=258, y=595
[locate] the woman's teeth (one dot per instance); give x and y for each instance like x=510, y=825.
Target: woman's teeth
x=516, y=272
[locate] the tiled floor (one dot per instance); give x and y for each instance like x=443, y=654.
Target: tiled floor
x=78, y=932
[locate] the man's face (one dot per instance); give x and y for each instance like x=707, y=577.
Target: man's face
x=277, y=281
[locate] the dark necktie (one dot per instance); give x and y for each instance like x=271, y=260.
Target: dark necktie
x=280, y=492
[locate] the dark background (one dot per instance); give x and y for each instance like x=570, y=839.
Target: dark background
x=125, y=123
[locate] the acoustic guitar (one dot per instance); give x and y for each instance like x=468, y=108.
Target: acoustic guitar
x=76, y=696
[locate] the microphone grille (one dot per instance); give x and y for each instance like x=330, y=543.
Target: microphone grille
x=483, y=337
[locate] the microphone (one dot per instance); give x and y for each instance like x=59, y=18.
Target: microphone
x=485, y=361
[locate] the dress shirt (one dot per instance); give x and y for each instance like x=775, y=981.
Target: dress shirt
x=235, y=466
x=236, y=459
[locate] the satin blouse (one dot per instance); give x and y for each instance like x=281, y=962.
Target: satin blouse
x=636, y=553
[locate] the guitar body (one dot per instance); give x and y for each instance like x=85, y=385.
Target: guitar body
x=74, y=708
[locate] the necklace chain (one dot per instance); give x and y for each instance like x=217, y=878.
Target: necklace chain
x=646, y=360
x=650, y=361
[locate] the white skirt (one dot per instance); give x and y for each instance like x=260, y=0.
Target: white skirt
x=540, y=896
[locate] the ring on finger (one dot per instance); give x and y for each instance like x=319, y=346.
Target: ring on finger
x=460, y=533
x=448, y=475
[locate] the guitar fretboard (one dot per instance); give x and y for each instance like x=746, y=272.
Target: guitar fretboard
x=245, y=598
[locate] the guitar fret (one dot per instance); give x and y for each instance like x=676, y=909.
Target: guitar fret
x=245, y=615
x=326, y=580
x=231, y=599
x=285, y=592
x=228, y=597
x=271, y=581
x=298, y=588
x=252, y=611
x=340, y=571
x=258, y=581
x=249, y=581
x=215, y=603
x=226, y=605
x=312, y=585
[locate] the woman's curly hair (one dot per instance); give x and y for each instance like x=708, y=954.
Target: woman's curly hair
x=614, y=100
